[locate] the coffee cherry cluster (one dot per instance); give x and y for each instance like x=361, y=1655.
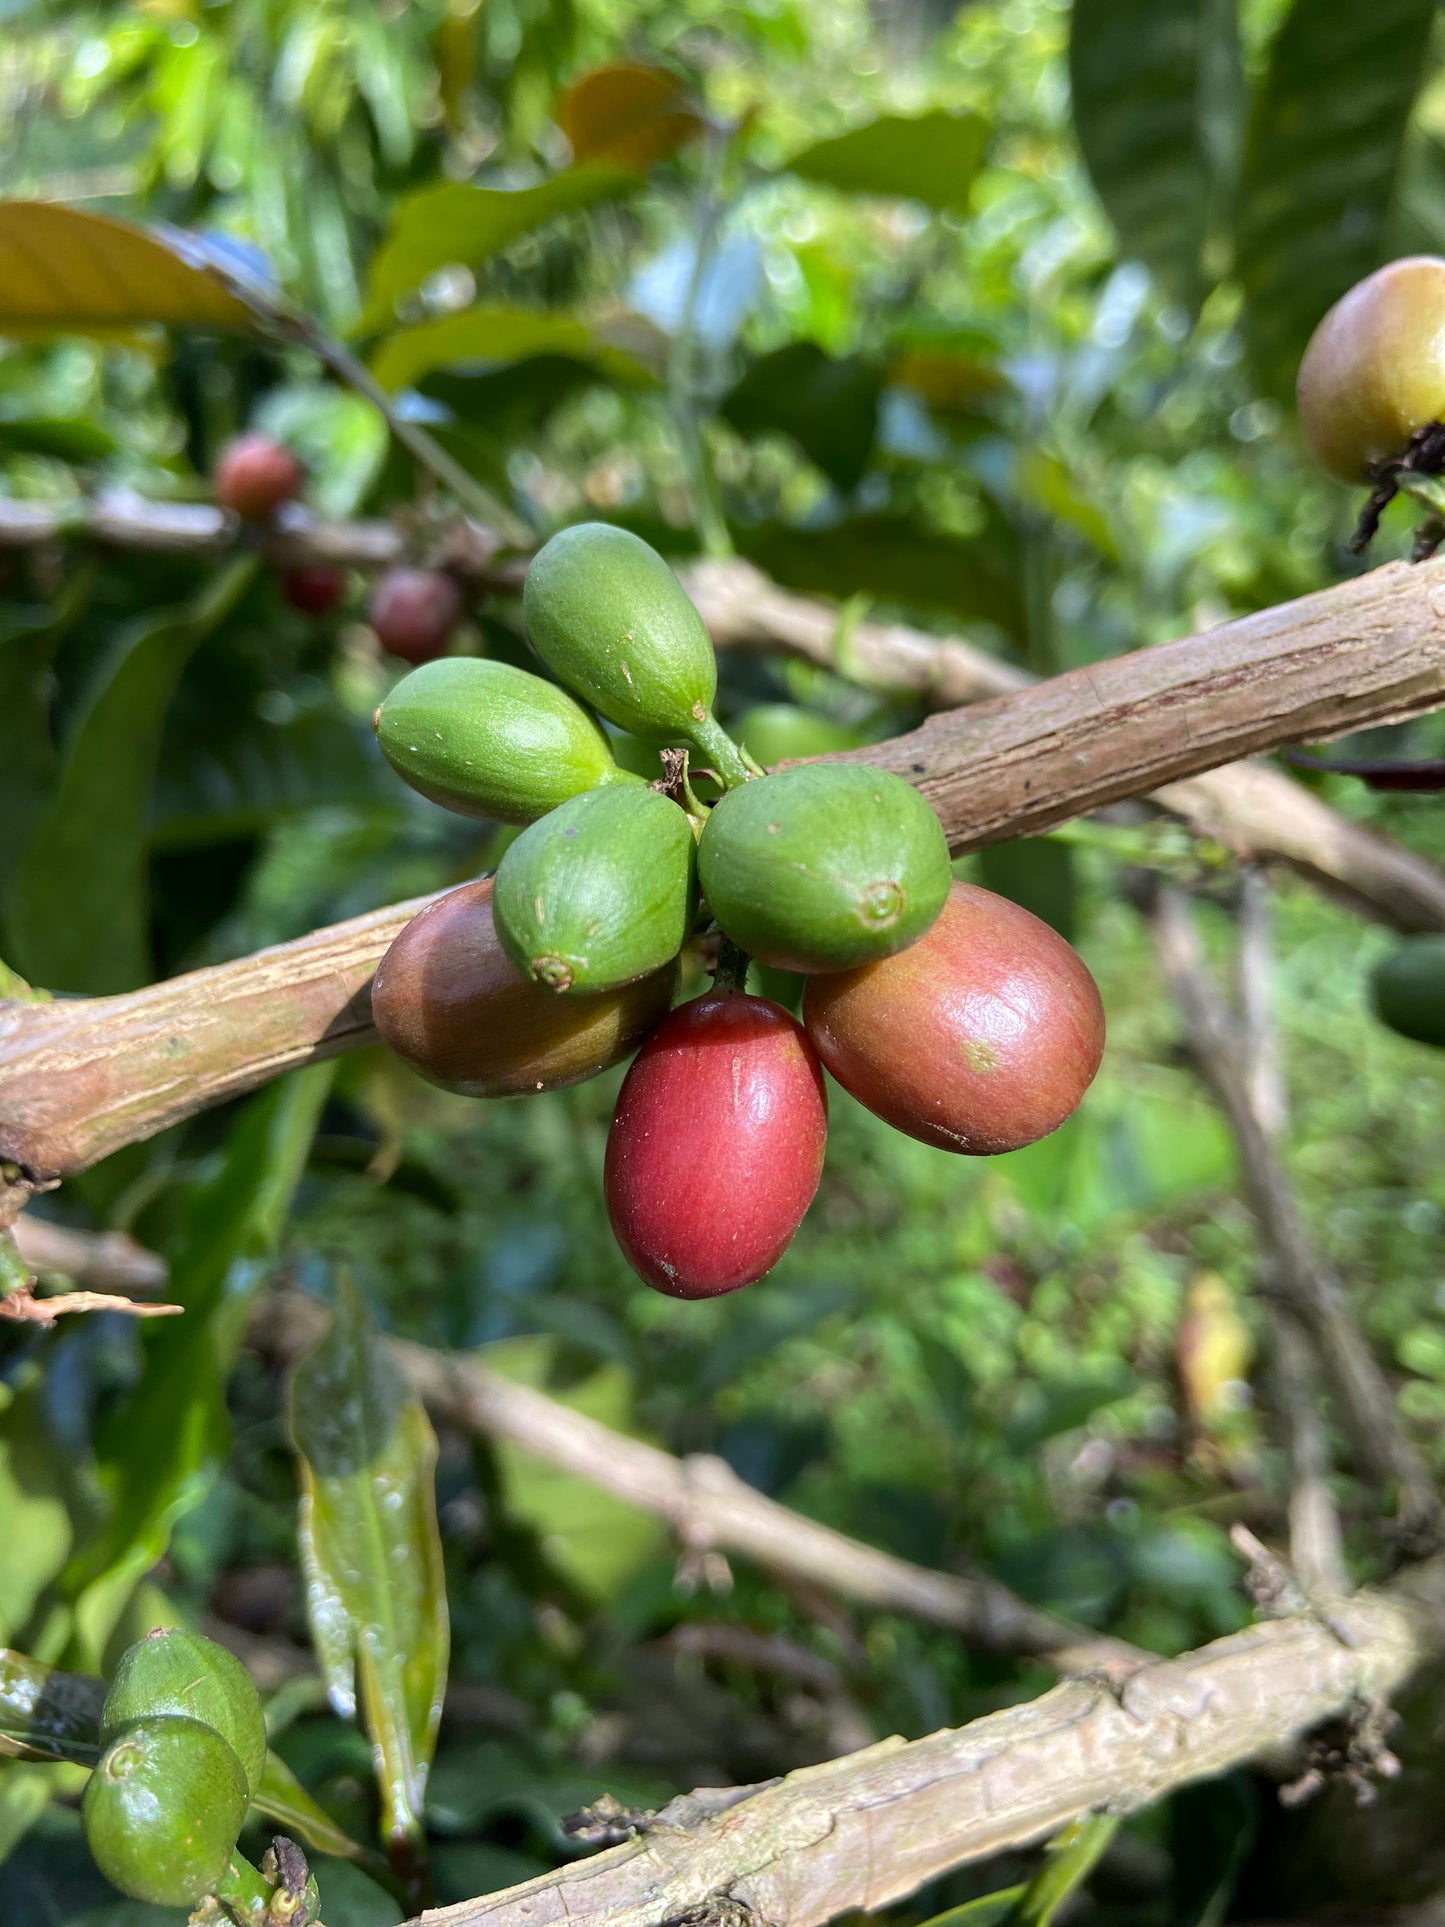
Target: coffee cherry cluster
x=950, y=1012
x=184, y=1747
x=413, y=611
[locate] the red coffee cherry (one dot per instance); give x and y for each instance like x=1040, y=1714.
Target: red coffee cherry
x=716, y=1147
x=315, y=590
x=981, y=1037
x=255, y=475
x=414, y=612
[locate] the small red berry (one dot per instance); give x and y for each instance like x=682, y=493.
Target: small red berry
x=716, y=1147
x=314, y=590
x=255, y=475
x=414, y=612
x=981, y=1037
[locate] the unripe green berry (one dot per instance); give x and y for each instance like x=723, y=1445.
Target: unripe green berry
x=1374, y=370
x=178, y=1672
x=163, y=1810
x=487, y=739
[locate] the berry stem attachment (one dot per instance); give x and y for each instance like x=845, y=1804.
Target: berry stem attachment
x=721, y=751
x=730, y=972
x=243, y=1895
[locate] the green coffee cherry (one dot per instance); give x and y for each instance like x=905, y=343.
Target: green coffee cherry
x=824, y=867
x=163, y=1810
x=1408, y=990
x=486, y=739
x=782, y=732
x=599, y=893
x=173, y=1671
x=607, y=615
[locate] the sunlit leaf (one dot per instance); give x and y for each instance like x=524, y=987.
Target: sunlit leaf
x=490, y=335
x=46, y=1714
x=371, y=1550
x=88, y=853
x=627, y=115
x=62, y=270
x=159, y=1450
x=1320, y=166
x=931, y=158
x=597, y=1541
x=455, y=223
x=828, y=405
x=988, y=1910
x=1156, y=94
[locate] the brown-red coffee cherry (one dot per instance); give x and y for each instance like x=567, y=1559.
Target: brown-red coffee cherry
x=255, y=475
x=1374, y=370
x=450, y=1004
x=315, y=589
x=716, y=1147
x=981, y=1037
x=414, y=612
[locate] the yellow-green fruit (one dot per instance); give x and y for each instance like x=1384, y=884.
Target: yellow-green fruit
x=600, y=893
x=607, y=615
x=783, y=733
x=824, y=867
x=486, y=739
x=163, y=1810
x=1374, y=370
x=1408, y=990
x=174, y=1671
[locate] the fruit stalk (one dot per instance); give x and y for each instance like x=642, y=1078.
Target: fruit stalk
x=721, y=751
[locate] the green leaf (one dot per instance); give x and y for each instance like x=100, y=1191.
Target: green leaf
x=1069, y=1858
x=1156, y=94
x=895, y=560
x=490, y=335
x=457, y=224
x=371, y=1550
x=76, y=914
x=596, y=1541
x=1320, y=166
x=159, y=1451
x=931, y=158
x=65, y=271
x=828, y=405
x=283, y=1799
x=46, y=1714
x=34, y=1506
x=28, y=762
x=988, y=1910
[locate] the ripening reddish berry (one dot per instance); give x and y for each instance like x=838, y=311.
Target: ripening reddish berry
x=414, y=612
x=981, y=1037
x=315, y=590
x=255, y=475
x=716, y=1147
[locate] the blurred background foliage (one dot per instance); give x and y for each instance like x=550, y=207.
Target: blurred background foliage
x=922, y=309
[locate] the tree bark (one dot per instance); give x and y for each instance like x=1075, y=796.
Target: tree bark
x=871, y=1828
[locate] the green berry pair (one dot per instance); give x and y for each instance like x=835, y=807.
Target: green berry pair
x=185, y=1745
x=813, y=868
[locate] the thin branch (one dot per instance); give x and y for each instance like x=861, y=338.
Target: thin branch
x=1253, y=810
x=1298, y=1272
x=77, y=1080
x=861, y=1832
x=709, y=1507
x=93, y=1261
